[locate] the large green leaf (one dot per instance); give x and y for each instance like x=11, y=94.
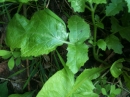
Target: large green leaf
x=114, y=43
x=22, y=1
x=116, y=68
x=41, y=35
x=62, y=84
x=78, y=5
x=114, y=7
x=58, y=85
x=97, y=1
x=76, y=57
x=79, y=29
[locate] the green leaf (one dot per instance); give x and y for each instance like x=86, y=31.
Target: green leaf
x=114, y=91
x=22, y=1
x=16, y=54
x=128, y=4
x=40, y=35
x=11, y=63
x=104, y=92
x=18, y=61
x=115, y=27
x=76, y=57
x=114, y=43
x=96, y=1
x=116, y=68
x=27, y=94
x=127, y=79
x=79, y=29
x=101, y=44
x=83, y=85
x=58, y=85
x=125, y=33
x=78, y=5
x=114, y=7
x=4, y=52
x=3, y=89
x=62, y=84
x=98, y=22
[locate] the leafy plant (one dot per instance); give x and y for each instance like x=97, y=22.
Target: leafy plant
x=45, y=31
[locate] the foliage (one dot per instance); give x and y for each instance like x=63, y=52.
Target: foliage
x=107, y=30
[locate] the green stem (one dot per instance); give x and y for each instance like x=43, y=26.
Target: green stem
x=20, y=5
x=95, y=34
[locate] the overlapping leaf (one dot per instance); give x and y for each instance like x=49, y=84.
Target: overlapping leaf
x=114, y=7
x=79, y=32
x=114, y=43
x=41, y=35
x=65, y=86
x=83, y=86
x=123, y=31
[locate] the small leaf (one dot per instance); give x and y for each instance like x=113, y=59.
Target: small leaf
x=128, y=5
x=16, y=54
x=116, y=68
x=76, y=57
x=117, y=91
x=125, y=33
x=100, y=25
x=112, y=89
x=114, y=7
x=18, y=61
x=104, y=91
x=78, y=5
x=79, y=29
x=114, y=43
x=11, y=63
x=115, y=27
x=101, y=44
x=4, y=53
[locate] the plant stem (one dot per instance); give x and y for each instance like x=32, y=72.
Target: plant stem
x=20, y=5
x=95, y=34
